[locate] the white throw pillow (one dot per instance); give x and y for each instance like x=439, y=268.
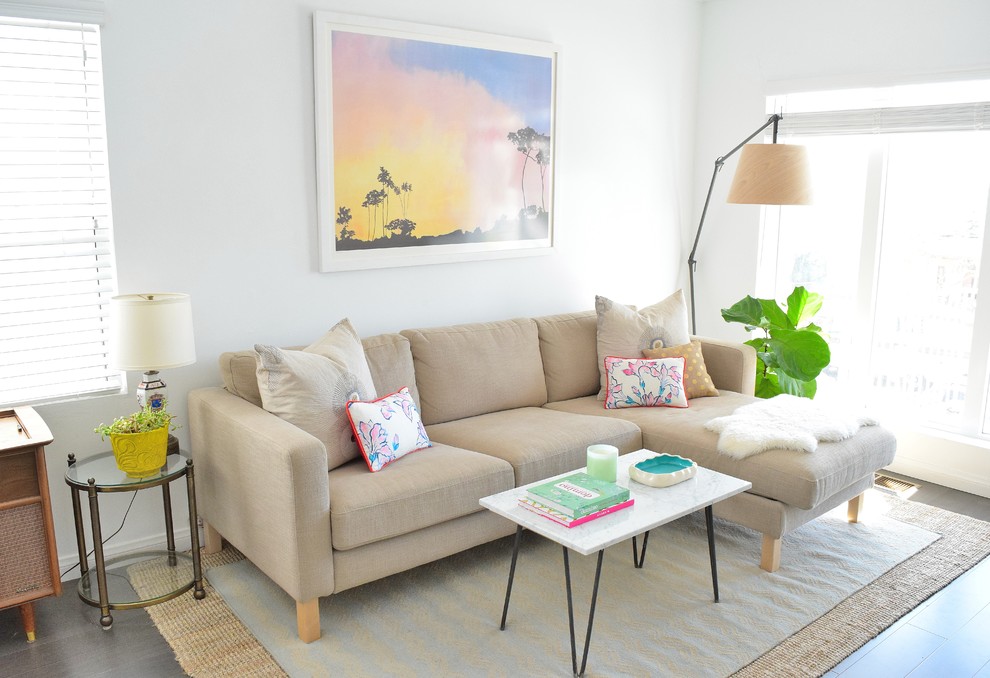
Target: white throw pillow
x=310, y=388
x=626, y=333
x=388, y=428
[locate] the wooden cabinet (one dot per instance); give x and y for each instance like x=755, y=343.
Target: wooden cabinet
x=28, y=559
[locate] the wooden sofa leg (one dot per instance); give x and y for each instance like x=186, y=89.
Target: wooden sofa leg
x=213, y=541
x=855, y=507
x=308, y=620
x=770, y=560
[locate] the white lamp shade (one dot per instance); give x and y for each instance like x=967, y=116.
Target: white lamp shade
x=151, y=331
x=772, y=174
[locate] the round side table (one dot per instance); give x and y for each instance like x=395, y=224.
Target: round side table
x=135, y=579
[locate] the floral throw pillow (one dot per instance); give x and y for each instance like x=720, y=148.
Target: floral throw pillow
x=388, y=428
x=634, y=382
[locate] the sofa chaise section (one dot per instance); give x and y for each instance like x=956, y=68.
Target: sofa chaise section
x=789, y=487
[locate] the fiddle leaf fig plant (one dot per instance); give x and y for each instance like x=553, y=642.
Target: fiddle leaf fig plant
x=792, y=352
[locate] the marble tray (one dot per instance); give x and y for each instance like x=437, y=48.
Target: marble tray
x=663, y=470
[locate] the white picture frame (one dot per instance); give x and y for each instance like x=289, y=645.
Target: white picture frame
x=434, y=144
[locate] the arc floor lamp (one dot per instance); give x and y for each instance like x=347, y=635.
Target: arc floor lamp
x=767, y=174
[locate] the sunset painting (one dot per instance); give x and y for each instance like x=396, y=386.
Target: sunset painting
x=438, y=146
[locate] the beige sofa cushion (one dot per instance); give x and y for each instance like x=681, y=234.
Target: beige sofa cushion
x=466, y=370
x=310, y=388
x=538, y=442
x=568, y=345
x=796, y=478
x=625, y=333
x=239, y=370
x=388, y=358
x=422, y=489
x=391, y=364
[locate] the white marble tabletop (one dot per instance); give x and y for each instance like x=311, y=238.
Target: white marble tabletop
x=653, y=506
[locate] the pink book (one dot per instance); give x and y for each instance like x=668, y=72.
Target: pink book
x=565, y=520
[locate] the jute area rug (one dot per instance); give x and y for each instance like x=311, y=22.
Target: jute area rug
x=839, y=586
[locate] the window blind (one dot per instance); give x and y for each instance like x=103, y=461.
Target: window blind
x=934, y=118
x=56, y=255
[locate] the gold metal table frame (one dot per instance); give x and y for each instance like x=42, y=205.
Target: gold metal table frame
x=99, y=475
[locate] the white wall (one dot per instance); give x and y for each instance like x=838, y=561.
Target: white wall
x=211, y=131
x=753, y=48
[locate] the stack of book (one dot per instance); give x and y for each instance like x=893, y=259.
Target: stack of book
x=575, y=499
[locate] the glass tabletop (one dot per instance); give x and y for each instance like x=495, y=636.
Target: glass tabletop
x=103, y=469
x=140, y=579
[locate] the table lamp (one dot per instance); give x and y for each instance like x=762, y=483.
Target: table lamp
x=148, y=333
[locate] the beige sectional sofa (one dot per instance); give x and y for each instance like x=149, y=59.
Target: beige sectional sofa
x=504, y=403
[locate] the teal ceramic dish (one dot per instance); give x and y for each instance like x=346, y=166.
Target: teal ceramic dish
x=663, y=470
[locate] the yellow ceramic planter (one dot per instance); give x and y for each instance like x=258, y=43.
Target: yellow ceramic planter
x=140, y=455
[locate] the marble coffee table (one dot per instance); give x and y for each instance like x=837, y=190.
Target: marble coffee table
x=653, y=507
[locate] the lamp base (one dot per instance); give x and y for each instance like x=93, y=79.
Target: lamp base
x=151, y=391
x=173, y=445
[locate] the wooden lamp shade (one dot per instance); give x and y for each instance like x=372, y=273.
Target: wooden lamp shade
x=771, y=174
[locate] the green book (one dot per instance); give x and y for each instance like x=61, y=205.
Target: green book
x=578, y=494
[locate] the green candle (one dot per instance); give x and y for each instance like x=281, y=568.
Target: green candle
x=602, y=462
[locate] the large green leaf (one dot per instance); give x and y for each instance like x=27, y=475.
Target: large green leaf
x=766, y=386
x=775, y=314
x=802, y=389
x=802, y=355
x=747, y=311
x=802, y=306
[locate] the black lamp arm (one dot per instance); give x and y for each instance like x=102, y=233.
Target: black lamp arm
x=692, y=262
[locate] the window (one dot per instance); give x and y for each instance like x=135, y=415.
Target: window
x=56, y=255
x=895, y=242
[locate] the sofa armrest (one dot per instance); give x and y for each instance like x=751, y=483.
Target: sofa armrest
x=731, y=365
x=262, y=483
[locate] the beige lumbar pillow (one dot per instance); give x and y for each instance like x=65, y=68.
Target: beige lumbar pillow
x=310, y=388
x=697, y=383
x=626, y=333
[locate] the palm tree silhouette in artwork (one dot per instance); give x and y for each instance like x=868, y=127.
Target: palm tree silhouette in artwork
x=535, y=147
x=404, y=190
x=343, y=219
x=374, y=198
x=385, y=179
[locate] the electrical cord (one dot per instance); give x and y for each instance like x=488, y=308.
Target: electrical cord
x=122, y=521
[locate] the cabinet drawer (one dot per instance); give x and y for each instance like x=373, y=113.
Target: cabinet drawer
x=18, y=476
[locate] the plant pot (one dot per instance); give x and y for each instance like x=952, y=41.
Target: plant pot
x=140, y=455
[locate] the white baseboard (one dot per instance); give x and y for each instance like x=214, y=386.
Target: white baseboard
x=947, y=459
x=941, y=475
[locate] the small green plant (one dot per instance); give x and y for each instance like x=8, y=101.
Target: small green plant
x=792, y=352
x=145, y=419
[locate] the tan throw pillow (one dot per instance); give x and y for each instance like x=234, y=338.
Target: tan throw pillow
x=625, y=333
x=311, y=388
x=697, y=383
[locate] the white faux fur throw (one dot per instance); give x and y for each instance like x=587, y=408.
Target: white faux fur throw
x=783, y=422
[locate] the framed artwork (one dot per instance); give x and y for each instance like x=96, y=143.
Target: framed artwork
x=433, y=144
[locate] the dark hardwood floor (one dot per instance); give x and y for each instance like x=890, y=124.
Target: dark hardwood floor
x=945, y=636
